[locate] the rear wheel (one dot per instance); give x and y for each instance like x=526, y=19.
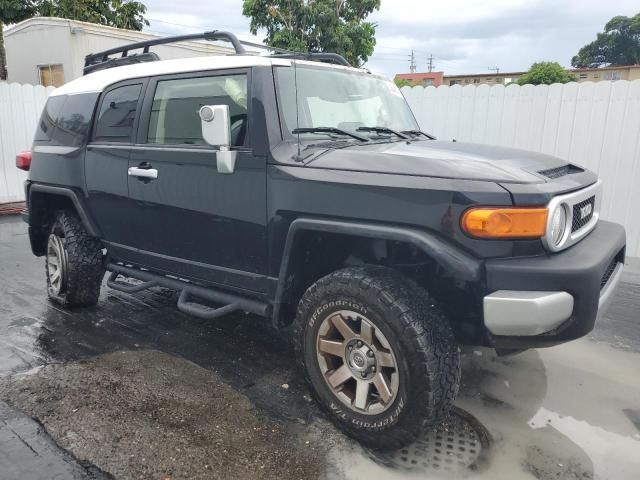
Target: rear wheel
x=378, y=353
x=73, y=263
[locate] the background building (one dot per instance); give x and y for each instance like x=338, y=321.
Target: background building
x=423, y=79
x=627, y=72
x=51, y=51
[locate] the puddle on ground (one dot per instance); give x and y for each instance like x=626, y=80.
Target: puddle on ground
x=561, y=413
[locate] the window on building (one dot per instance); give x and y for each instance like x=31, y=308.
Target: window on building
x=596, y=75
x=51, y=75
x=454, y=82
x=428, y=82
x=174, y=115
x=476, y=80
x=583, y=76
x=612, y=75
x=114, y=122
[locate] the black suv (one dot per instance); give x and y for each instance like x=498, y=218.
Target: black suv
x=297, y=188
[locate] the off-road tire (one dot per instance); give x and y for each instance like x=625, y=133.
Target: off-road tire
x=83, y=263
x=418, y=332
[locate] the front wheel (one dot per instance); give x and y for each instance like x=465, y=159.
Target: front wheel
x=380, y=356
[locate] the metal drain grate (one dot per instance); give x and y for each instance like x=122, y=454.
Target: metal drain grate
x=456, y=448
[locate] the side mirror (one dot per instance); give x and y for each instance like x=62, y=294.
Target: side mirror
x=216, y=131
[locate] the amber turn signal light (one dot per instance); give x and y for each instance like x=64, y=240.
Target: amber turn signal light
x=505, y=222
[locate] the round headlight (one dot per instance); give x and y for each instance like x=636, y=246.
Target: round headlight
x=558, y=224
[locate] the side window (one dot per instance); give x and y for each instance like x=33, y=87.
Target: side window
x=174, y=116
x=65, y=119
x=50, y=113
x=114, y=121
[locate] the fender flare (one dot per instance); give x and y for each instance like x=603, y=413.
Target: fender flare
x=459, y=263
x=75, y=198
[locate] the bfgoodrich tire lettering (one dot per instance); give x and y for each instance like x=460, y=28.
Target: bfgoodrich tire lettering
x=73, y=263
x=418, y=334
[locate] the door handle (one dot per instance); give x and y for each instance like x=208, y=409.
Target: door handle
x=150, y=173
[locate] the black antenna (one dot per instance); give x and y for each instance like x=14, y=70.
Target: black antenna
x=295, y=81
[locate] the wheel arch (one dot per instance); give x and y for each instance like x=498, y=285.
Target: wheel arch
x=43, y=203
x=458, y=264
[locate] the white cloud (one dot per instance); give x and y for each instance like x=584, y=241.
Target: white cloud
x=464, y=36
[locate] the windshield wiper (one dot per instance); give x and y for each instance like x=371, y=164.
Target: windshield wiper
x=382, y=130
x=416, y=133
x=336, y=131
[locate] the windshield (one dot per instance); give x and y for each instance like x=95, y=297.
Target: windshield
x=346, y=100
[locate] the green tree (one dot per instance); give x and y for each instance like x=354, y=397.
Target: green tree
x=403, y=82
x=127, y=14
x=546, y=73
x=619, y=44
x=316, y=26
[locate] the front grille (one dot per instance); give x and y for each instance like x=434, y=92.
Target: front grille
x=608, y=273
x=582, y=213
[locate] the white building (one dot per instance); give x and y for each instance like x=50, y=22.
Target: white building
x=50, y=51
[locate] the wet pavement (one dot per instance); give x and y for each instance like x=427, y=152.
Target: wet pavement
x=571, y=411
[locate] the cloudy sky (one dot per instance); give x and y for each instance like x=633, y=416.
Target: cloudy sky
x=464, y=36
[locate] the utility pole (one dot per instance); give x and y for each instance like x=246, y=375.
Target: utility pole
x=430, y=63
x=494, y=69
x=412, y=62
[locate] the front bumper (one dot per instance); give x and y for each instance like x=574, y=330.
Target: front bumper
x=543, y=301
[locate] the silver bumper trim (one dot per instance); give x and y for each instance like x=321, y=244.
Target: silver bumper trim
x=608, y=291
x=526, y=313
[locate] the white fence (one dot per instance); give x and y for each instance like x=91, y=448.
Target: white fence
x=595, y=125
x=20, y=107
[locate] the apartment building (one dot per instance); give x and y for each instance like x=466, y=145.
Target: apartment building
x=423, y=79
x=627, y=72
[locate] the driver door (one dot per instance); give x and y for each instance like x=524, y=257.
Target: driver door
x=190, y=219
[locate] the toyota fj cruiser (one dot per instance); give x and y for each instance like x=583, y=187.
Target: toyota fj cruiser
x=295, y=187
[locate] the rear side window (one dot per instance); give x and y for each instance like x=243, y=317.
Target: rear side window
x=48, y=118
x=65, y=119
x=114, y=120
x=174, y=116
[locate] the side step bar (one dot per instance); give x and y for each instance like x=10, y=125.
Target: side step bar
x=230, y=302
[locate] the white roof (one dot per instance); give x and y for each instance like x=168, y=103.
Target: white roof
x=98, y=81
x=118, y=34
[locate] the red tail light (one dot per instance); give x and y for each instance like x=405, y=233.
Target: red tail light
x=23, y=160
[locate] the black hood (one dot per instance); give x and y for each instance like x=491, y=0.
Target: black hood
x=436, y=158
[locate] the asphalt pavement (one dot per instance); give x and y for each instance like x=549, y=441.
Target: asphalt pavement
x=571, y=411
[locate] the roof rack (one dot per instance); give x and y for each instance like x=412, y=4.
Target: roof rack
x=316, y=57
x=102, y=60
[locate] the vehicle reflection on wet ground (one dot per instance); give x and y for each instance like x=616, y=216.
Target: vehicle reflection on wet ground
x=571, y=411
